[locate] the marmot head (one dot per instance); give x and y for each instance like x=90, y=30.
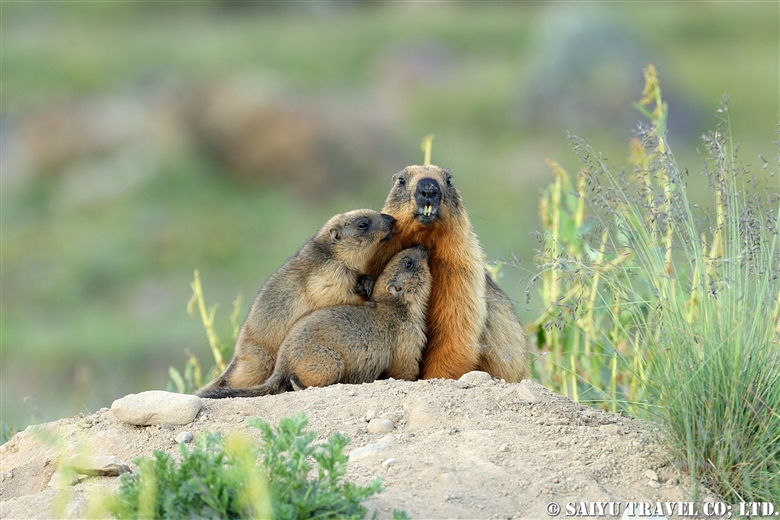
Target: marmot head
x=421, y=197
x=406, y=276
x=354, y=237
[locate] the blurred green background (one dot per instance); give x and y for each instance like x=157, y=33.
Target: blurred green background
x=141, y=141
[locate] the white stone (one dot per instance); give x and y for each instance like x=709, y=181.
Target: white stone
x=156, y=407
x=367, y=451
x=392, y=416
x=524, y=393
x=476, y=377
x=183, y=437
x=380, y=426
x=389, y=462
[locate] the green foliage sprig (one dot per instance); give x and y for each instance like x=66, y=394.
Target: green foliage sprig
x=220, y=479
x=193, y=379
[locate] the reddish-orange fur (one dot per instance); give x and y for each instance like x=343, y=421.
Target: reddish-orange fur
x=461, y=301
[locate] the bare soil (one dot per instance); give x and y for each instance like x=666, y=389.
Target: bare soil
x=484, y=450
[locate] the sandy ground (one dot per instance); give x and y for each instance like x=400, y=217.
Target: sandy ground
x=482, y=450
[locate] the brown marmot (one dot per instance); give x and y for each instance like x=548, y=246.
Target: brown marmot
x=357, y=344
x=325, y=271
x=471, y=323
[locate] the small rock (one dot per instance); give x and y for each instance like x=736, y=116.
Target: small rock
x=449, y=478
x=461, y=384
x=653, y=484
x=504, y=448
x=6, y=475
x=367, y=451
x=370, y=415
x=476, y=377
x=389, y=462
x=524, y=393
x=157, y=407
x=183, y=437
x=380, y=426
x=611, y=429
x=351, y=392
x=672, y=481
x=104, y=466
x=392, y=416
x=652, y=475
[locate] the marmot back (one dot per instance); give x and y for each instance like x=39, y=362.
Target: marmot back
x=324, y=272
x=471, y=323
x=358, y=344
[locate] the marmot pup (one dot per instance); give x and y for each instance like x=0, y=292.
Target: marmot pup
x=358, y=344
x=471, y=323
x=326, y=271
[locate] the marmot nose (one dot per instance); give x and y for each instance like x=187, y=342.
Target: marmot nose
x=428, y=188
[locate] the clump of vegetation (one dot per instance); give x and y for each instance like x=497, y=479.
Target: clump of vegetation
x=219, y=478
x=193, y=379
x=658, y=305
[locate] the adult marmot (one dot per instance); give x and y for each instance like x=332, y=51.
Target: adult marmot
x=326, y=271
x=471, y=323
x=357, y=344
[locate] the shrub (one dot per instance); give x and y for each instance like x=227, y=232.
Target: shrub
x=220, y=479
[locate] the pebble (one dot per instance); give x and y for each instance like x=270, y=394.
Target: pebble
x=183, y=437
x=476, y=378
x=611, y=429
x=653, y=484
x=504, y=448
x=156, y=407
x=525, y=394
x=351, y=392
x=367, y=451
x=389, y=462
x=461, y=384
x=380, y=426
x=392, y=416
x=370, y=415
x=103, y=465
x=652, y=475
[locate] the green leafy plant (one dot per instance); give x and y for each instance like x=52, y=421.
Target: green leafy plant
x=684, y=299
x=192, y=378
x=220, y=479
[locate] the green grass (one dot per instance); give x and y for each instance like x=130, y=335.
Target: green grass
x=681, y=299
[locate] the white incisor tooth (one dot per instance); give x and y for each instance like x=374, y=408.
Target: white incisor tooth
x=428, y=210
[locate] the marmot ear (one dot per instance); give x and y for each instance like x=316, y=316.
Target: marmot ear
x=335, y=234
x=395, y=290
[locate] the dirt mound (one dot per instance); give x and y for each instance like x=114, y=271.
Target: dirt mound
x=485, y=449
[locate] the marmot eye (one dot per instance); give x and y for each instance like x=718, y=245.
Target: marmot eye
x=401, y=181
x=363, y=225
x=449, y=180
x=409, y=263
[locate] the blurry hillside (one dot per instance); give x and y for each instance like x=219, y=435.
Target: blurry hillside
x=143, y=141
